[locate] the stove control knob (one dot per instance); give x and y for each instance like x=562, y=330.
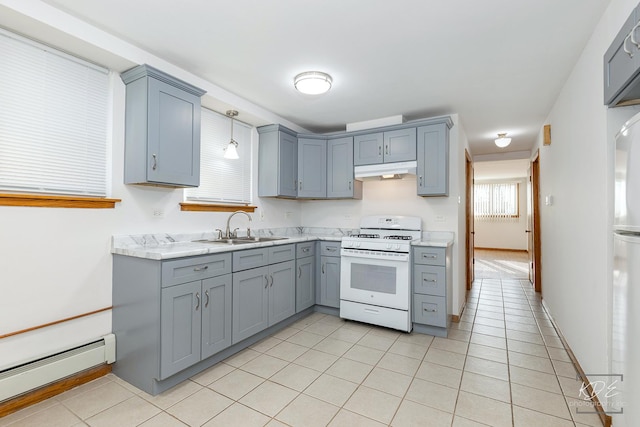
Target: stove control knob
x=388, y=245
x=397, y=246
x=357, y=244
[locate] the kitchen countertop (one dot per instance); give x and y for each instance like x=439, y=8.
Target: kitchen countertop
x=170, y=246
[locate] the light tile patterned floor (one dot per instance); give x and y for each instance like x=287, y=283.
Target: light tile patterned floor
x=502, y=365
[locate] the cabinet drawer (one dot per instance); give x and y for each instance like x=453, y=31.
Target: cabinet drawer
x=281, y=253
x=190, y=269
x=330, y=248
x=250, y=258
x=429, y=280
x=430, y=310
x=429, y=255
x=305, y=249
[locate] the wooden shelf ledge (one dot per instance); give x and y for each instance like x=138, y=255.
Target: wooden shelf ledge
x=56, y=201
x=212, y=207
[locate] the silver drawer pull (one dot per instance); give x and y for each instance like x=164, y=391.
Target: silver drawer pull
x=201, y=268
x=331, y=248
x=299, y=272
x=266, y=279
x=429, y=280
x=155, y=162
x=206, y=304
x=430, y=310
x=198, y=301
x=305, y=249
x=428, y=256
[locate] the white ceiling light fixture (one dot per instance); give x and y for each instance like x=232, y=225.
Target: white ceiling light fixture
x=502, y=140
x=231, y=152
x=313, y=82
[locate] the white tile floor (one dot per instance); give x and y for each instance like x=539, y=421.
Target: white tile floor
x=502, y=365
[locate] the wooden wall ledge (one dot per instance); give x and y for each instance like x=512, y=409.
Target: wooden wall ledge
x=211, y=207
x=56, y=201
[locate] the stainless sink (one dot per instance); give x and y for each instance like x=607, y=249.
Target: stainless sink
x=239, y=240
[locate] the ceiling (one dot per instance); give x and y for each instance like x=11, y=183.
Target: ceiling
x=499, y=64
x=502, y=169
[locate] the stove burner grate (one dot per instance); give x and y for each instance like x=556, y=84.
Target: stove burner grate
x=367, y=236
x=398, y=237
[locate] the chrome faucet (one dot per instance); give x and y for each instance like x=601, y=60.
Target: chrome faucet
x=228, y=234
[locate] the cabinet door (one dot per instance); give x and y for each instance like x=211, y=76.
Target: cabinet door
x=330, y=281
x=340, y=168
x=367, y=149
x=173, y=150
x=433, y=160
x=621, y=60
x=216, y=314
x=180, y=316
x=312, y=168
x=305, y=283
x=282, y=291
x=250, y=303
x=400, y=145
x=287, y=165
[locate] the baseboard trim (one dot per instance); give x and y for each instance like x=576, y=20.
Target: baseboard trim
x=501, y=249
x=455, y=318
x=43, y=393
x=606, y=419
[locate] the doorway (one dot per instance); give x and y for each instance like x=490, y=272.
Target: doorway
x=533, y=231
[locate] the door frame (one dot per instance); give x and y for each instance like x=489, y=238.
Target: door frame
x=470, y=234
x=535, y=258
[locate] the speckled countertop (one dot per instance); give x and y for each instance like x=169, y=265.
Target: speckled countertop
x=169, y=246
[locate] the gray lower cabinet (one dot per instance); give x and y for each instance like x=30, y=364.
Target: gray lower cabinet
x=162, y=129
x=341, y=183
x=305, y=275
x=277, y=162
x=432, y=289
x=169, y=315
x=195, y=322
x=433, y=160
x=385, y=147
x=312, y=168
x=263, y=295
x=328, y=292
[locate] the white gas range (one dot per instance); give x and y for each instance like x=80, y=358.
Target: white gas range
x=375, y=285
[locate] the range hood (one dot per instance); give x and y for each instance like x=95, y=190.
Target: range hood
x=370, y=172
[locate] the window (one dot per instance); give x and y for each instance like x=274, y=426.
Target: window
x=496, y=201
x=54, y=116
x=223, y=180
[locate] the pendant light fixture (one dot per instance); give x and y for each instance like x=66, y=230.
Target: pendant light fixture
x=231, y=152
x=502, y=140
x=313, y=82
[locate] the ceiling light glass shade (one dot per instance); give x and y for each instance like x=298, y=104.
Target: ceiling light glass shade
x=313, y=82
x=231, y=152
x=502, y=140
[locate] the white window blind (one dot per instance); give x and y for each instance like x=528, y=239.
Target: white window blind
x=54, y=113
x=223, y=180
x=496, y=201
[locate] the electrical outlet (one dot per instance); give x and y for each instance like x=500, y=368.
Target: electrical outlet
x=261, y=211
x=347, y=217
x=157, y=213
x=287, y=215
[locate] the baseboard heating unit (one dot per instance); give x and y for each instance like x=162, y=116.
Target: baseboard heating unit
x=32, y=375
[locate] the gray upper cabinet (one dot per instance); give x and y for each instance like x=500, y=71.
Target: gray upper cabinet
x=277, y=162
x=162, y=129
x=433, y=160
x=312, y=168
x=340, y=179
x=385, y=147
x=622, y=63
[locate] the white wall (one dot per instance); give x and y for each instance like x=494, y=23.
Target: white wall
x=577, y=170
x=510, y=234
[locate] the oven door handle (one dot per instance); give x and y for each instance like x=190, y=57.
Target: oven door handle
x=395, y=257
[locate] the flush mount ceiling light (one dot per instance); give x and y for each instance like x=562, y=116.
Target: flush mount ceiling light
x=502, y=140
x=312, y=82
x=231, y=152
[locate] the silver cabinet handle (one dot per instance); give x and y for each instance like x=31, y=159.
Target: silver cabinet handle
x=429, y=280
x=428, y=256
x=331, y=248
x=206, y=304
x=155, y=162
x=430, y=310
x=379, y=150
x=271, y=276
x=299, y=272
x=266, y=279
x=349, y=185
x=386, y=149
x=420, y=180
x=323, y=268
x=633, y=35
x=624, y=46
x=198, y=300
x=300, y=185
x=201, y=268
x=305, y=249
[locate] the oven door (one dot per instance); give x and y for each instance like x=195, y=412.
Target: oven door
x=376, y=278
